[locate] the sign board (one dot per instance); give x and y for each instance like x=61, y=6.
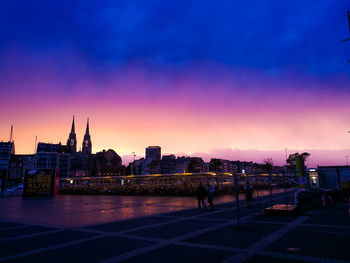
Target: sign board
x=40, y=183
x=313, y=178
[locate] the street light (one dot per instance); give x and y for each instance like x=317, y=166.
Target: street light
x=285, y=168
x=132, y=166
x=286, y=151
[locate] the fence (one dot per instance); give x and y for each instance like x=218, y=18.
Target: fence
x=173, y=184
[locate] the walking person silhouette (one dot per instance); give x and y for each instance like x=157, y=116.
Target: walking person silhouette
x=211, y=190
x=248, y=190
x=201, y=193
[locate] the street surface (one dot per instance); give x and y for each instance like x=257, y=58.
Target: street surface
x=78, y=210
x=184, y=235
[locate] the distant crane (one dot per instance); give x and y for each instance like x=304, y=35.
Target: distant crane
x=349, y=20
x=348, y=39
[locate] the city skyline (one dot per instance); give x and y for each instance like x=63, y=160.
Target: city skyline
x=187, y=83
x=318, y=157
x=174, y=131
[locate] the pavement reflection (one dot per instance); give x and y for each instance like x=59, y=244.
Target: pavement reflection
x=79, y=210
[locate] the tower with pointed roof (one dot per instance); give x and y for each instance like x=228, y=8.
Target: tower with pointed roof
x=87, y=146
x=72, y=139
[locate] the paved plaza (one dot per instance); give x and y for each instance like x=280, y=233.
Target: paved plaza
x=79, y=210
x=176, y=232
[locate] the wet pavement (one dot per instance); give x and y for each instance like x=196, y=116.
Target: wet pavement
x=78, y=210
x=186, y=235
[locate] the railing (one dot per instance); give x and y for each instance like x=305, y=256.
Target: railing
x=171, y=184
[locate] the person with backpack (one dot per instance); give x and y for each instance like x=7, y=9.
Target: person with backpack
x=201, y=193
x=211, y=191
x=248, y=190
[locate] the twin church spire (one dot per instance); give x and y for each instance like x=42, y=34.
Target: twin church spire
x=72, y=140
x=87, y=147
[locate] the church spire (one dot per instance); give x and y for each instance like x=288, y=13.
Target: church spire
x=87, y=146
x=73, y=127
x=87, y=128
x=72, y=139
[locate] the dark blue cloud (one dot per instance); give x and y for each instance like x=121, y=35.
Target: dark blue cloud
x=270, y=35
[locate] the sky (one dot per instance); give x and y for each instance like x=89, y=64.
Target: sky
x=228, y=79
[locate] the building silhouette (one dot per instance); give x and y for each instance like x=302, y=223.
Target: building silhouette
x=53, y=156
x=6, y=149
x=153, y=152
x=107, y=163
x=168, y=164
x=66, y=158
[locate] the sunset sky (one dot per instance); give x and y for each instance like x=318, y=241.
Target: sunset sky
x=230, y=79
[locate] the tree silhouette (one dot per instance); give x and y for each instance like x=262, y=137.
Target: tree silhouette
x=268, y=164
x=215, y=165
x=292, y=157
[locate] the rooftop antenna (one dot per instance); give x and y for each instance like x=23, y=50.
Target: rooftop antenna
x=11, y=133
x=35, y=143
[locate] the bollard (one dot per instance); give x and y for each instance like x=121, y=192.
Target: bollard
x=296, y=197
x=323, y=200
x=257, y=188
x=270, y=182
x=237, y=199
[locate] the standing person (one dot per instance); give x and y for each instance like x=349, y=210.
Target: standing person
x=201, y=193
x=248, y=190
x=211, y=191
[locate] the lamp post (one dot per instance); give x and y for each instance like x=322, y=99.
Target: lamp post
x=286, y=150
x=237, y=200
x=132, y=166
x=286, y=168
x=347, y=157
x=285, y=179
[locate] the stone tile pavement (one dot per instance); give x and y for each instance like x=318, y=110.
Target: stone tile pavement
x=187, y=235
